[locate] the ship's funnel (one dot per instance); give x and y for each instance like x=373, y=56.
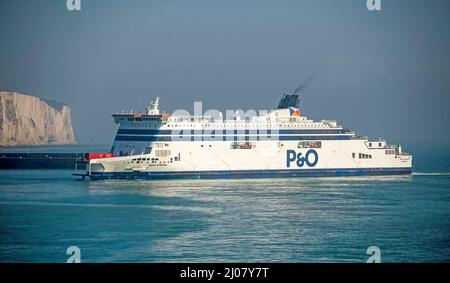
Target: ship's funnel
x=288, y=100
x=293, y=100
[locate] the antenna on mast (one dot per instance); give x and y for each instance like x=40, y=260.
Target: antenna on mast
x=153, y=108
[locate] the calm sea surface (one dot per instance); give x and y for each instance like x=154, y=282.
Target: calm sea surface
x=43, y=212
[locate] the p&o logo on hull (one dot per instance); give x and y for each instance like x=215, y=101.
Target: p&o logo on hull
x=310, y=158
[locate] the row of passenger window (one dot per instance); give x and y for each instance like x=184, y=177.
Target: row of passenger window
x=362, y=155
x=143, y=119
x=142, y=160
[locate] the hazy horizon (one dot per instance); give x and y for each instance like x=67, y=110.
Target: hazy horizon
x=383, y=74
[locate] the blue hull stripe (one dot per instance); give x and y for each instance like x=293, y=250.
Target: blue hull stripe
x=228, y=138
x=178, y=132
x=223, y=174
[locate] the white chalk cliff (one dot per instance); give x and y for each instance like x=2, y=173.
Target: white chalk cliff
x=30, y=120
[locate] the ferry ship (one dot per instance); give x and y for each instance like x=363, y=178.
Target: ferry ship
x=282, y=143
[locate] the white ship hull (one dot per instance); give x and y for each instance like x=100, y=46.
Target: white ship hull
x=266, y=159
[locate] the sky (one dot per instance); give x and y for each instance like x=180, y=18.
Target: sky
x=384, y=74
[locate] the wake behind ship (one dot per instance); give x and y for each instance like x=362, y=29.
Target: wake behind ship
x=282, y=143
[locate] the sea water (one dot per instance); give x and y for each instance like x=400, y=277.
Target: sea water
x=43, y=212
